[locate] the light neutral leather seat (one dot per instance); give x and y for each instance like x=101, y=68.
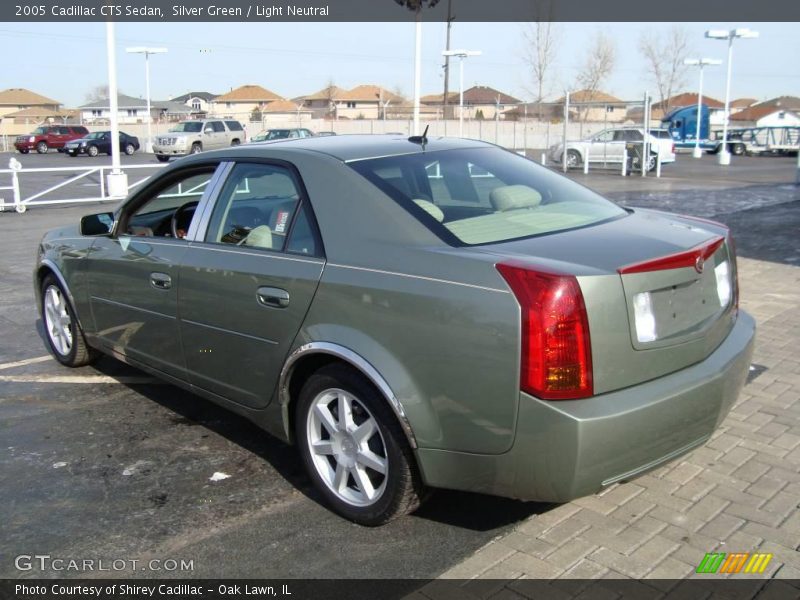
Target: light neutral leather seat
x=430, y=208
x=260, y=237
x=514, y=197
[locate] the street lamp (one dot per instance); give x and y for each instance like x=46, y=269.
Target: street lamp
x=701, y=63
x=721, y=34
x=147, y=52
x=461, y=54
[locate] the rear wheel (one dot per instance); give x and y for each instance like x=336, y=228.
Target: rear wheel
x=235, y=143
x=129, y=149
x=162, y=158
x=64, y=336
x=42, y=148
x=92, y=151
x=354, y=449
x=737, y=149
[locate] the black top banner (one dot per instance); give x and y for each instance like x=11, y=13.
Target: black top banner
x=399, y=10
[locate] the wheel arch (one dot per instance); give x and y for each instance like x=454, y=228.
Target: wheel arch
x=48, y=267
x=308, y=358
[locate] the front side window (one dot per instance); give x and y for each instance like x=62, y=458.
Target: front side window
x=217, y=126
x=169, y=211
x=255, y=208
x=188, y=127
x=485, y=195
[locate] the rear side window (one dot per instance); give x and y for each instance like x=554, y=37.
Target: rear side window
x=234, y=125
x=255, y=208
x=485, y=195
x=217, y=125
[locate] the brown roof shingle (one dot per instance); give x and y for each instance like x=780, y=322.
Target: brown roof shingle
x=23, y=97
x=582, y=96
x=248, y=93
x=369, y=93
x=483, y=94
x=688, y=99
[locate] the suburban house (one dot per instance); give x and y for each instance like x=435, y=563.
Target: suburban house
x=596, y=106
x=132, y=110
x=284, y=111
x=777, y=112
x=480, y=101
x=321, y=103
x=660, y=109
x=546, y=111
x=199, y=102
x=741, y=104
x=242, y=102
x=16, y=99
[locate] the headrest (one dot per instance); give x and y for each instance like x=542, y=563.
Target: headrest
x=260, y=237
x=512, y=197
x=430, y=208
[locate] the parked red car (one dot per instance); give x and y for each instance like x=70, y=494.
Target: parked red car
x=49, y=136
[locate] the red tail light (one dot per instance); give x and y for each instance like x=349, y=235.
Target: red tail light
x=556, y=357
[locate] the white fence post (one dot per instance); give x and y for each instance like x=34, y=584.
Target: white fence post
x=544, y=159
x=624, y=162
x=658, y=164
x=586, y=160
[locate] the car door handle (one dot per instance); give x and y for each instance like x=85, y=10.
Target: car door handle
x=160, y=281
x=274, y=297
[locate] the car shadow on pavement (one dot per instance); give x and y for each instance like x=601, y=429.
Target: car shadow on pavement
x=476, y=512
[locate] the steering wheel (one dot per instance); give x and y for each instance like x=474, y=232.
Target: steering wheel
x=177, y=222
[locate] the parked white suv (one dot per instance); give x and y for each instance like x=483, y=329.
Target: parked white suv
x=608, y=146
x=191, y=137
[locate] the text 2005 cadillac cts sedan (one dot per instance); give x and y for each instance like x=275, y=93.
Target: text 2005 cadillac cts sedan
x=412, y=313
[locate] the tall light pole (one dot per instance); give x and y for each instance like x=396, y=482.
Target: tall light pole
x=461, y=54
x=721, y=34
x=701, y=63
x=117, y=179
x=147, y=52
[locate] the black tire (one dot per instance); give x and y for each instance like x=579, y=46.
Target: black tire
x=574, y=159
x=651, y=164
x=197, y=148
x=23, y=150
x=92, y=151
x=737, y=149
x=42, y=147
x=162, y=158
x=79, y=353
x=129, y=149
x=235, y=142
x=73, y=154
x=403, y=490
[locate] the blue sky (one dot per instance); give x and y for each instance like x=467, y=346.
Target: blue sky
x=66, y=60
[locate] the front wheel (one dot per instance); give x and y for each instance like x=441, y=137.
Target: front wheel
x=42, y=148
x=64, y=335
x=92, y=151
x=162, y=158
x=737, y=149
x=197, y=148
x=23, y=150
x=354, y=449
x=573, y=159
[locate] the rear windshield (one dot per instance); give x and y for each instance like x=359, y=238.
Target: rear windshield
x=485, y=195
x=192, y=127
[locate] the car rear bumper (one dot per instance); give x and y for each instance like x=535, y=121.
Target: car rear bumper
x=567, y=449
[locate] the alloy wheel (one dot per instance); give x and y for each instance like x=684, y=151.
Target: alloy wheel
x=347, y=448
x=57, y=320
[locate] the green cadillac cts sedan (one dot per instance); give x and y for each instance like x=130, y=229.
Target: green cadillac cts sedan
x=412, y=314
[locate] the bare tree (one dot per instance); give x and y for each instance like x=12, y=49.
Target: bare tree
x=596, y=68
x=540, y=52
x=99, y=92
x=330, y=96
x=664, y=56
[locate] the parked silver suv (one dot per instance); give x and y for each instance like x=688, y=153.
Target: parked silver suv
x=608, y=146
x=191, y=137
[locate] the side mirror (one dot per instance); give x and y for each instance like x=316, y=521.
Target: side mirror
x=99, y=224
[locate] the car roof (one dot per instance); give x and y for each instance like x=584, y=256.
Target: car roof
x=363, y=146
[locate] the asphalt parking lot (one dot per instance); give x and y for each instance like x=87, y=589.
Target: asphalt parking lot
x=105, y=462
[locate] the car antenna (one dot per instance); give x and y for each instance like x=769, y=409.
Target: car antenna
x=420, y=139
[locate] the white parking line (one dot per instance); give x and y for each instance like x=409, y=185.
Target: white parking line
x=27, y=361
x=78, y=379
